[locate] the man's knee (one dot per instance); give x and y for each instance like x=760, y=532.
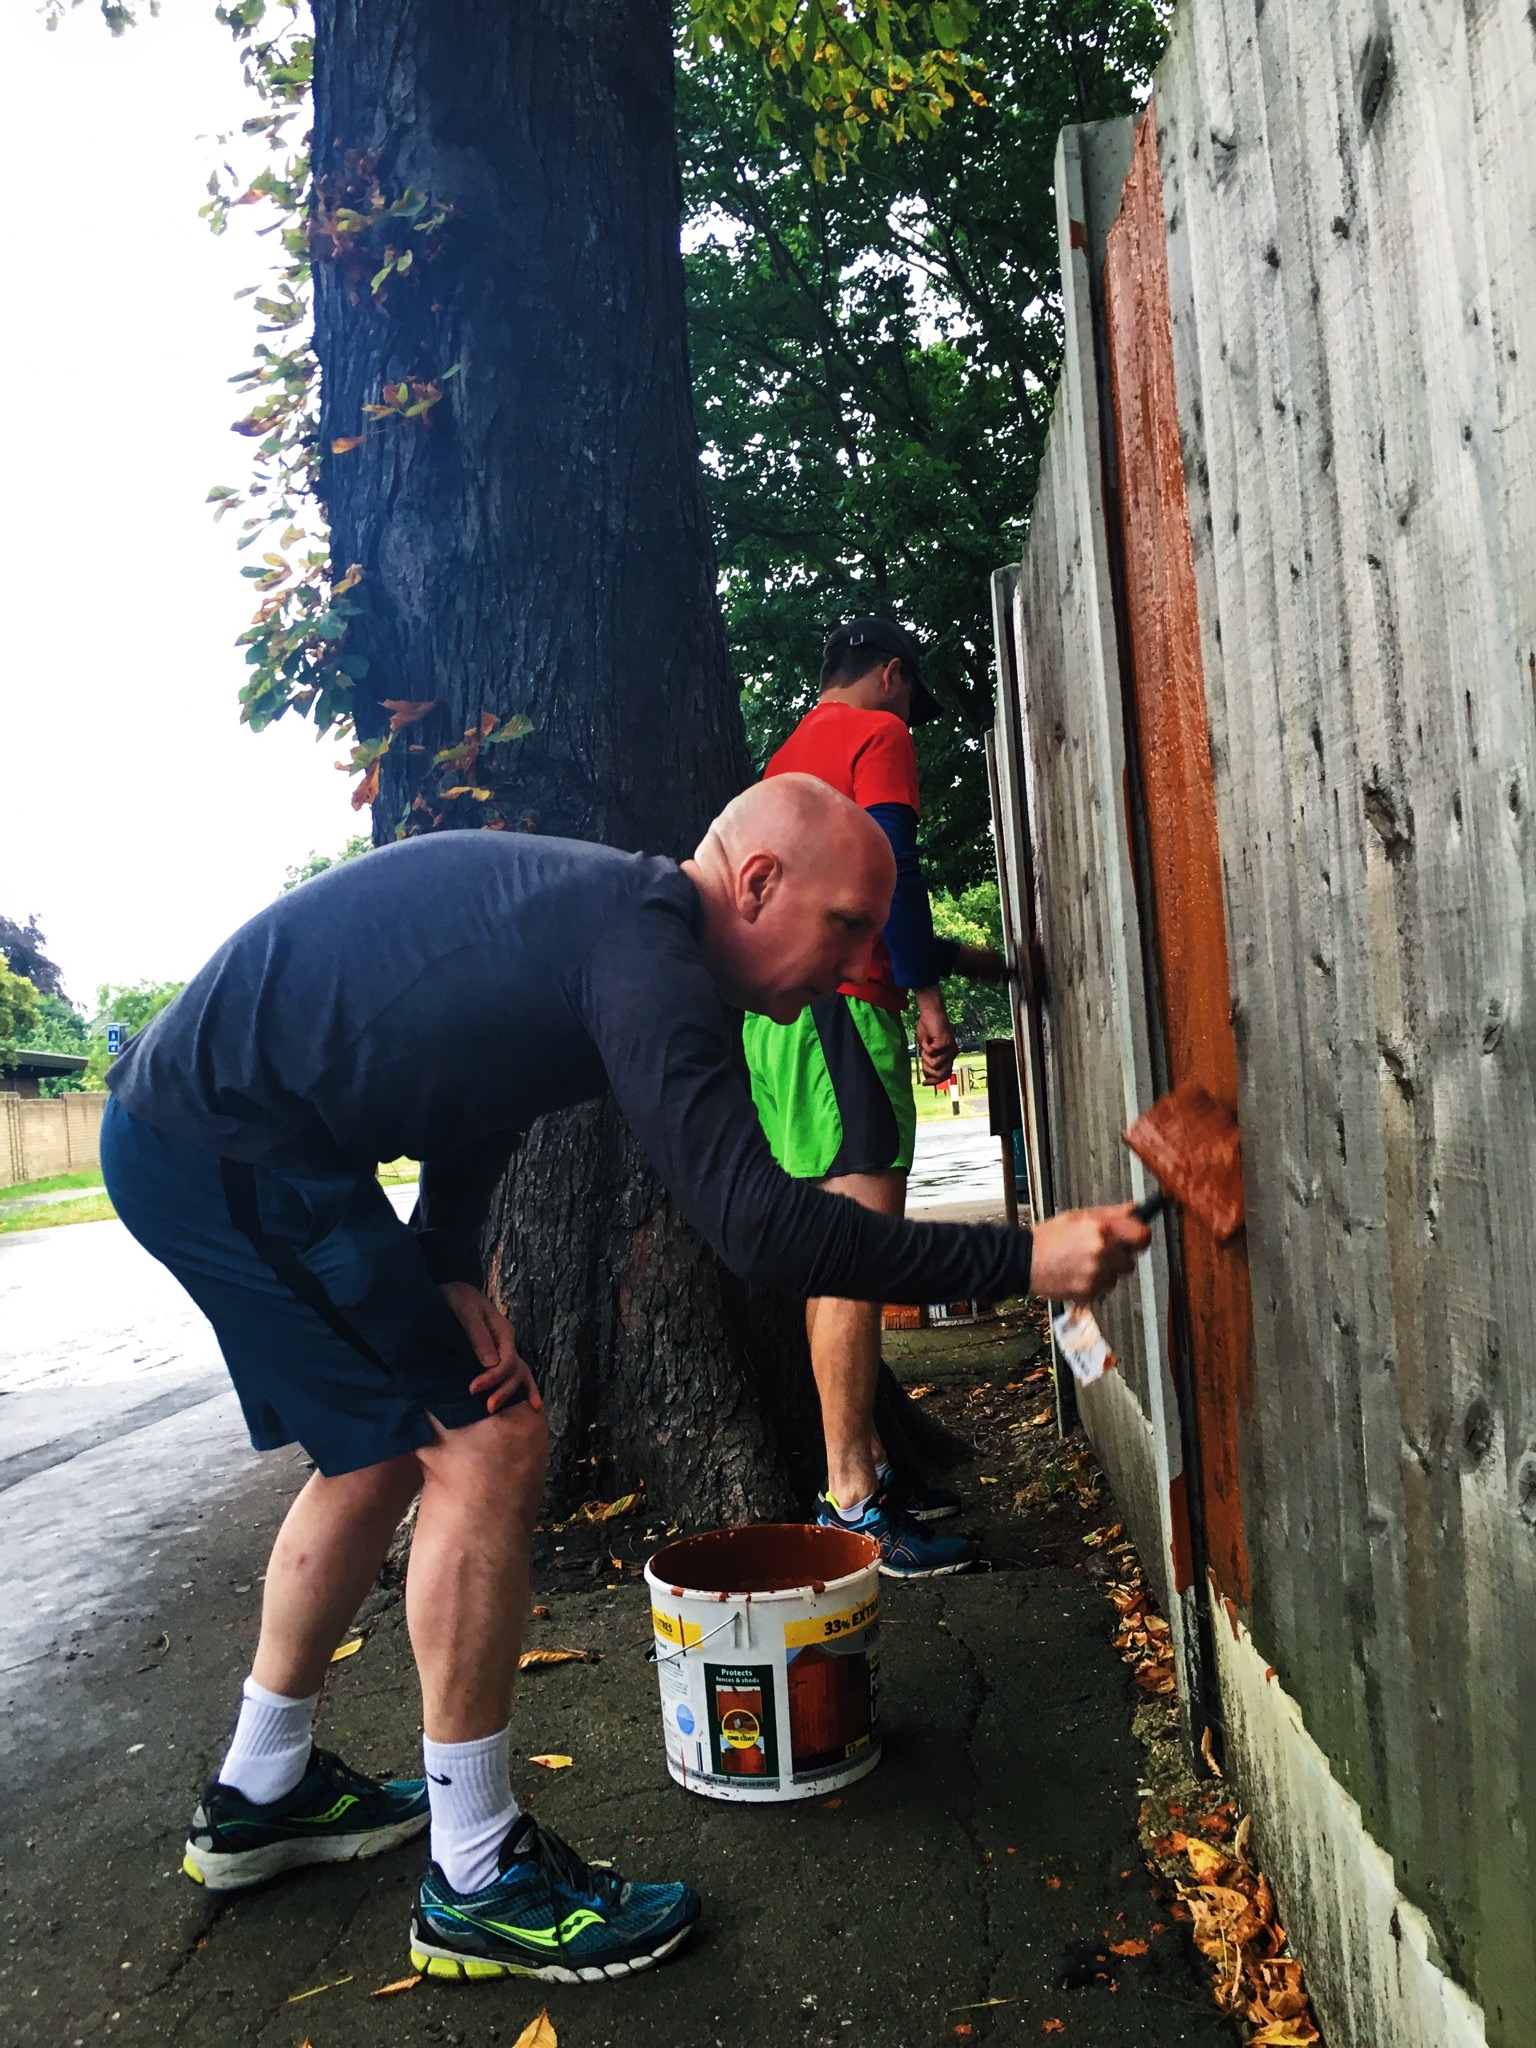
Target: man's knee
x=510, y=1448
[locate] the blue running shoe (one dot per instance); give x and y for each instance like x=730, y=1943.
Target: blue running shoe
x=333, y=1815
x=920, y=1500
x=548, y=1915
x=906, y=1551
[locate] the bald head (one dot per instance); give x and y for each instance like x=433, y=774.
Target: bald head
x=796, y=883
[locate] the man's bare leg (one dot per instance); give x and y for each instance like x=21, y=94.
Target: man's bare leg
x=845, y=1355
x=326, y=1557
x=466, y=1595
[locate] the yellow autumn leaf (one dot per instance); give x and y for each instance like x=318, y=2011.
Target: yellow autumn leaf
x=553, y=1762
x=392, y=1990
x=347, y=1649
x=538, y=2033
x=605, y=1510
x=532, y=1658
x=1207, y=1863
x=345, y=443
x=1285, y=2034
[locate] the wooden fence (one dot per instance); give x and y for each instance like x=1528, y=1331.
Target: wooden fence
x=1266, y=749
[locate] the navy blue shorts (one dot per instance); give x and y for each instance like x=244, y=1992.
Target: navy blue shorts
x=353, y=1371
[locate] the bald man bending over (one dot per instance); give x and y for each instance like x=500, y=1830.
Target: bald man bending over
x=431, y=1000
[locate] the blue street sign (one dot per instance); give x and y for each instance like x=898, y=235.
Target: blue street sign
x=115, y=1039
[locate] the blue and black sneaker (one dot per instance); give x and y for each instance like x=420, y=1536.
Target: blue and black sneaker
x=333, y=1815
x=547, y=1915
x=906, y=1551
x=919, y=1499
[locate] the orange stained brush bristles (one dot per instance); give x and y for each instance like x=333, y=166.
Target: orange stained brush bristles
x=1189, y=1143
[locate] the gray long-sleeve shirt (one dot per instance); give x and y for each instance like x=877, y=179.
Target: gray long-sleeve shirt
x=433, y=998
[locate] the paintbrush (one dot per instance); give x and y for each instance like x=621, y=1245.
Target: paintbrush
x=1189, y=1144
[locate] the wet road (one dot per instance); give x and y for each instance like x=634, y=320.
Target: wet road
x=957, y=1160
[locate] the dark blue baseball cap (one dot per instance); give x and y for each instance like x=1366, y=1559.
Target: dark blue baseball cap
x=883, y=636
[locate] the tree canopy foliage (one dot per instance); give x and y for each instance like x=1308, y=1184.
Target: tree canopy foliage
x=20, y=1014
x=873, y=358
x=317, y=863
x=25, y=950
x=875, y=331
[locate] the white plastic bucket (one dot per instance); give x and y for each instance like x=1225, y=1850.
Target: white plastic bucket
x=767, y=1649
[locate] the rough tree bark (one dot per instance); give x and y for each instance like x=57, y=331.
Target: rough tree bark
x=535, y=543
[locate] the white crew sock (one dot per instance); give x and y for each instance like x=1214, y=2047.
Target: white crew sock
x=272, y=1743
x=469, y=1785
x=849, y=1515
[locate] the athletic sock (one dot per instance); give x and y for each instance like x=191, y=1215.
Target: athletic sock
x=469, y=1785
x=270, y=1750
x=849, y=1515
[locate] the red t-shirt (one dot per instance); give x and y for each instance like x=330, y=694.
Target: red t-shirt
x=869, y=756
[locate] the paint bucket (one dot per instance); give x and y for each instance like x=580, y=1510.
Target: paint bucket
x=767, y=1649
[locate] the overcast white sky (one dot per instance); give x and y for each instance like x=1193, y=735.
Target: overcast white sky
x=138, y=818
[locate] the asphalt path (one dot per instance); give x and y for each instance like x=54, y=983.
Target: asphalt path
x=118, y=1429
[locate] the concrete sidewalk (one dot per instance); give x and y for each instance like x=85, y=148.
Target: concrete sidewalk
x=990, y=1852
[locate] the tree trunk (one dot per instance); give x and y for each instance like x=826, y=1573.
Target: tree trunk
x=533, y=545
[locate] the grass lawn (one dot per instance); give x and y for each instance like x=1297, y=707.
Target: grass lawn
x=974, y=1100
x=91, y=1208
x=95, y=1205
x=23, y=1190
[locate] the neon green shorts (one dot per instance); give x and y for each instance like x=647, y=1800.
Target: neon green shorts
x=834, y=1089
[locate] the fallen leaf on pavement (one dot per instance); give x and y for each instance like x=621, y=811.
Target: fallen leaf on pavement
x=920, y=1393
x=552, y=1762
x=530, y=1658
x=538, y=2034
x=346, y=1649
x=1286, y=2034
x=299, y=1996
x=1208, y=1751
x=604, y=1510
x=400, y=1984
x=1128, y=1948
x=541, y=1614
x=1207, y=1863
x=1053, y=2026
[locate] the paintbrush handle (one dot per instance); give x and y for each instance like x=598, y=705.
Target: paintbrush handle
x=1149, y=1210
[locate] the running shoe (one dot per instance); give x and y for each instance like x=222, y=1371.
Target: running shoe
x=547, y=1915
x=907, y=1551
x=921, y=1500
x=333, y=1815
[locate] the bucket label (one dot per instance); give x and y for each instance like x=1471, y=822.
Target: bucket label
x=832, y=1661
x=831, y=1628
x=672, y=1628
x=743, y=1738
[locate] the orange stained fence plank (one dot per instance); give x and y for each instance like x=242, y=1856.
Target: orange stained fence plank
x=1189, y=915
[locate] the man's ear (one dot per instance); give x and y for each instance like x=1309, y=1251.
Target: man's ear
x=756, y=880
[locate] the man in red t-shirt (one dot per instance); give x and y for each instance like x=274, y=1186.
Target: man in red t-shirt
x=834, y=1089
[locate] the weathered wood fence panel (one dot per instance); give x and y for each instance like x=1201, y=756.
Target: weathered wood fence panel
x=1345, y=192
x=1349, y=216
x=1067, y=725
